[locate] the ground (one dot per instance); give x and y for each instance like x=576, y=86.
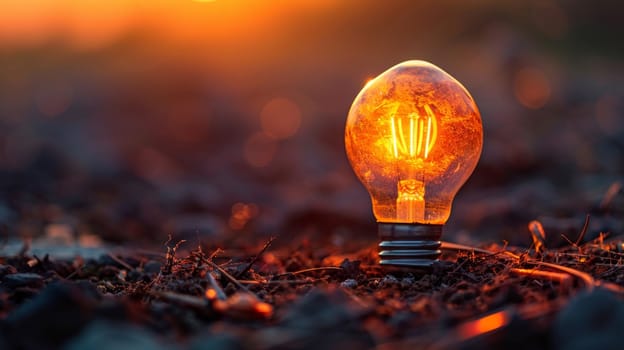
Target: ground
x=190, y=296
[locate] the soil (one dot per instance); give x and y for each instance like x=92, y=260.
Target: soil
x=301, y=297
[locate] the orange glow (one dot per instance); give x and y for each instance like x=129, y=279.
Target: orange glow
x=552, y=276
x=241, y=214
x=368, y=82
x=211, y=294
x=264, y=309
x=94, y=24
x=269, y=258
x=244, y=305
x=83, y=24
x=413, y=137
x=483, y=325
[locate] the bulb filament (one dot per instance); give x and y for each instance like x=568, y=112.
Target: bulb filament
x=414, y=147
x=422, y=133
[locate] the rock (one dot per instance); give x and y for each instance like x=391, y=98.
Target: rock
x=322, y=320
x=7, y=270
x=60, y=311
x=590, y=321
x=388, y=280
x=349, y=283
x=407, y=282
x=22, y=280
x=152, y=267
x=103, y=335
x=351, y=268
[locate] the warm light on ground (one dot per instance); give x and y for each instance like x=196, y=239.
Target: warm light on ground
x=483, y=325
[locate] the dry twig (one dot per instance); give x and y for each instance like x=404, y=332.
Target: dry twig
x=539, y=237
x=255, y=259
x=613, y=190
x=120, y=262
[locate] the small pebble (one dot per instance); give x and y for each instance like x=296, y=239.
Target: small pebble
x=7, y=270
x=389, y=280
x=350, y=267
x=152, y=267
x=407, y=282
x=349, y=283
x=591, y=320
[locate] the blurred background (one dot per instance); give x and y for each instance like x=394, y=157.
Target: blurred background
x=222, y=121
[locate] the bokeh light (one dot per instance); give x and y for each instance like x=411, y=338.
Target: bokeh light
x=280, y=118
x=241, y=214
x=532, y=88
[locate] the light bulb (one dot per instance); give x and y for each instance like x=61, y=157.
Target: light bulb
x=413, y=137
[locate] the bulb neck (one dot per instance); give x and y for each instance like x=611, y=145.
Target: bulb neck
x=409, y=247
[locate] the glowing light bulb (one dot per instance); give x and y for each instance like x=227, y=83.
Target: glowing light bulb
x=413, y=137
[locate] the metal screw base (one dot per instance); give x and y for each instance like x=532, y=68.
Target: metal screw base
x=409, y=247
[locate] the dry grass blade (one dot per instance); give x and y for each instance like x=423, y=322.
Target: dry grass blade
x=562, y=278
x=316, y=269
x=255, y=259
x=539, y=236
x=170, y=256
x=215, y=253
x=460, y=247
x=583, y=231
x=228, y=276
x=586, y=278
x=217, y=291
x=120, y=262
x=183, y=299
x=613, y=191
x=276, y=282
x=313, y=269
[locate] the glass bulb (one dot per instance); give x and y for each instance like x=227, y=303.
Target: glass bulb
x=413, y=137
